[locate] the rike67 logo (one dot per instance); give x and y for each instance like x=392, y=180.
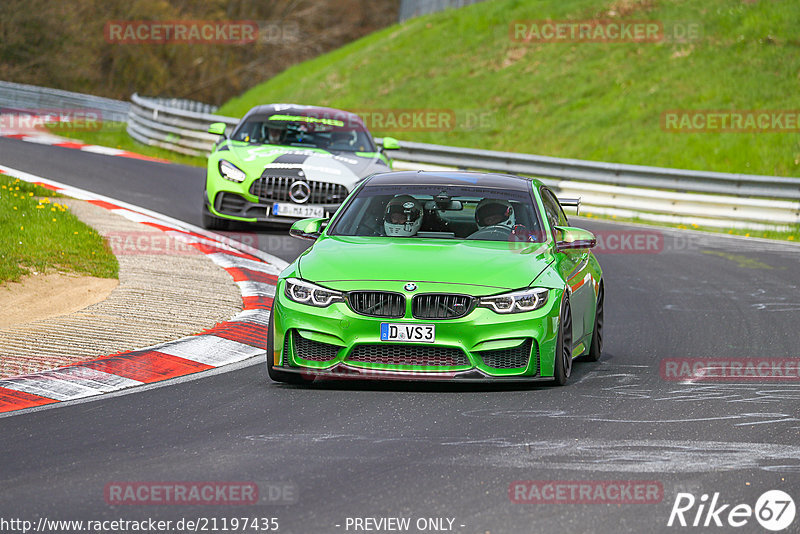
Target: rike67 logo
x=774, y=510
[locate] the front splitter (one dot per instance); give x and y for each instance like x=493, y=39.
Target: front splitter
x=343, y=371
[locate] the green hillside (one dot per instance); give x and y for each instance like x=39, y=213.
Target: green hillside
x=598, y=101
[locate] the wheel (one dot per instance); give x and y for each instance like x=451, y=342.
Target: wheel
x=211, y=222
x=596, y=348
x=563, y=363
x=275, y=374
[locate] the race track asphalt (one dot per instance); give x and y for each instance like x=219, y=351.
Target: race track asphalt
x=428, y=451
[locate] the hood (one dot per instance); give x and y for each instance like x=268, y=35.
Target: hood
x=488, y=267
x=344, y=168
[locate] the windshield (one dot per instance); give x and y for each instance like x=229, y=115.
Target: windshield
x=440, y=212
x=330, y=134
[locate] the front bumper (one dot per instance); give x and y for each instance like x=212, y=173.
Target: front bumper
x=229, y=205
x=342, y=336
x=343, y=371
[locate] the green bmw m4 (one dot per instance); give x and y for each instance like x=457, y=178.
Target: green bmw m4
x=456, y=276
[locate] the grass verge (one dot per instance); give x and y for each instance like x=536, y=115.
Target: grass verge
x=588, y=100
x=38, y=234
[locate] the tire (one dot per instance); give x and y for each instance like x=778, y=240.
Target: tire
x=275, y=374
x=563, y=360
x=211, y=222
x=596, y=348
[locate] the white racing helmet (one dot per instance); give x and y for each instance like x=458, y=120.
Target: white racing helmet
x=495, y=212
x=403, y=216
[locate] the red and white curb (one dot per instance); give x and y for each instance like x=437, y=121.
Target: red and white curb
x=242, y=337
x=43, y=138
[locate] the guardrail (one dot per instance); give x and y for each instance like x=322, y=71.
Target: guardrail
x=158, y=122
x=635, y=191
x=20, y=96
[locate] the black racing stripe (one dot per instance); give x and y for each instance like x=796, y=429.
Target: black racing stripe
x=292, y=158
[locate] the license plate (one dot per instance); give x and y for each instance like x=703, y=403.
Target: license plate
x=297, y=210
x=424, y=333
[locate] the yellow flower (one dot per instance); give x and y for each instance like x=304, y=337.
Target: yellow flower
x=76, y=233
x=52, y=209
x=21, y=227
x=54, y=220
x=30, y=194
x=39, y=207
x=695, y=226
x=4, y=187
x=791, y=238
x=15, y=207
x=747, y=235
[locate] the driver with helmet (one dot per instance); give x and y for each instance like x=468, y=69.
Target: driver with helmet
x=402, y=216
x=274, y=135
x=494, y=212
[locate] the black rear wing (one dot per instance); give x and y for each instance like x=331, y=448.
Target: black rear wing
x=571, y=203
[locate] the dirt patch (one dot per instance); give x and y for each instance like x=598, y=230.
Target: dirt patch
x=50, y=295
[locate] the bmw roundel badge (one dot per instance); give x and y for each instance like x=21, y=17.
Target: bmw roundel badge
x=411, y=286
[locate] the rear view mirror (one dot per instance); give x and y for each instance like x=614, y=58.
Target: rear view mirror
x=570, y=238
x=307, y=228
x=452, y=205
x=218, y=128
x=390, y=143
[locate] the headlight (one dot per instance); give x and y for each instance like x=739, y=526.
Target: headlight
x=231, y=172
x=311, y=294
x=517, y=301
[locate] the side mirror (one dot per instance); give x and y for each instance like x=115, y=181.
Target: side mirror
x=218, y=128
x=390, y=143
x=574, y=238
x=307, y=228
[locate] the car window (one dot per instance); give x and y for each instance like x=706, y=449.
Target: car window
x=440, y=212
x=555, y=215
x=333, y=135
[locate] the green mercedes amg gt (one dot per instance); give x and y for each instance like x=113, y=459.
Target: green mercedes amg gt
x=439, y=276
x=284, y=162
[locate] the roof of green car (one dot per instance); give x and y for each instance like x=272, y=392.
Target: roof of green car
x=350, y=118
x=461, y=178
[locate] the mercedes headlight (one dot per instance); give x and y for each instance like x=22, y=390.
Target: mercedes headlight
x=231, y=172
x=517, y=301
x=311, y=294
